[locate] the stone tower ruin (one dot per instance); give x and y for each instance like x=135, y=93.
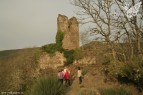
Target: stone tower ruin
x=71, y=31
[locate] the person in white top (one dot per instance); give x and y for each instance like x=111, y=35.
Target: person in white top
x=79, y=74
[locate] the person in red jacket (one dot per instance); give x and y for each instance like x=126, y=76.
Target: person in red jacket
x=67, y=77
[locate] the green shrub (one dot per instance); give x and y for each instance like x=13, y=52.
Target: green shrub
x=47, y=86
x=69, y=55
x=115, y=68
x=50, y=48
x=114, y=91
x=131, y=72
x=59, y=39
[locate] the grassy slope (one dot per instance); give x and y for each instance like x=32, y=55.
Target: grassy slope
x=13, y=66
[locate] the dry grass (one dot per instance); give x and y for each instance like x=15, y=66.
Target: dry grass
x=16, y=67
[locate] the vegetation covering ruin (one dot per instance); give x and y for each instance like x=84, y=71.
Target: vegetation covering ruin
x=70, y=55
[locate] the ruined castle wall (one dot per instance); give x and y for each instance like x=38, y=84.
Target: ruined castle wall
x=71, y=32
x=74, y=29
x=62, y=23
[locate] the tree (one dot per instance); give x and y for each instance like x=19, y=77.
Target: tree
x=99, y=16
x=133, y=27
x=98, y=13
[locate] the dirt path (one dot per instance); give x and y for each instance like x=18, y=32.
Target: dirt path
x=92, y=80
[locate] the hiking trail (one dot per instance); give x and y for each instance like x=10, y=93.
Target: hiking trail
x=92, y=80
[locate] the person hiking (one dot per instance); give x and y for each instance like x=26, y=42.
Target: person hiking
x=67, y=77
x=61, y=76
x=79, y=74
x=65, y=69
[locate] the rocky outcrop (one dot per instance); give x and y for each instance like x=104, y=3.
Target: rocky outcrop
x=48, y=61
x=71, y=32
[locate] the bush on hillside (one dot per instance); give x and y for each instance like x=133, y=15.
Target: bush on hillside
x=69, y=55
x=130, y=72
x=50, y=48
x=133, y=72
x=47, y=86
x=59, y=39
x=115, y=68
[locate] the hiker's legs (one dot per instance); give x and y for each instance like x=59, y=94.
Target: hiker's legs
x=80, y=80
x=61, y=80
x=69, y=82
x=66, y=81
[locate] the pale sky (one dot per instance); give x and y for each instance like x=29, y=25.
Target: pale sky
x=28, y=23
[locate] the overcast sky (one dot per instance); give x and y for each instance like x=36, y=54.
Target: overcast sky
x=28, y=23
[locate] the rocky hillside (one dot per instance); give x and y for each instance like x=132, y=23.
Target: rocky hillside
x=19, y=68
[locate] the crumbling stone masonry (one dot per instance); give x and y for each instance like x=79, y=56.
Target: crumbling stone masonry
x=71, y=31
